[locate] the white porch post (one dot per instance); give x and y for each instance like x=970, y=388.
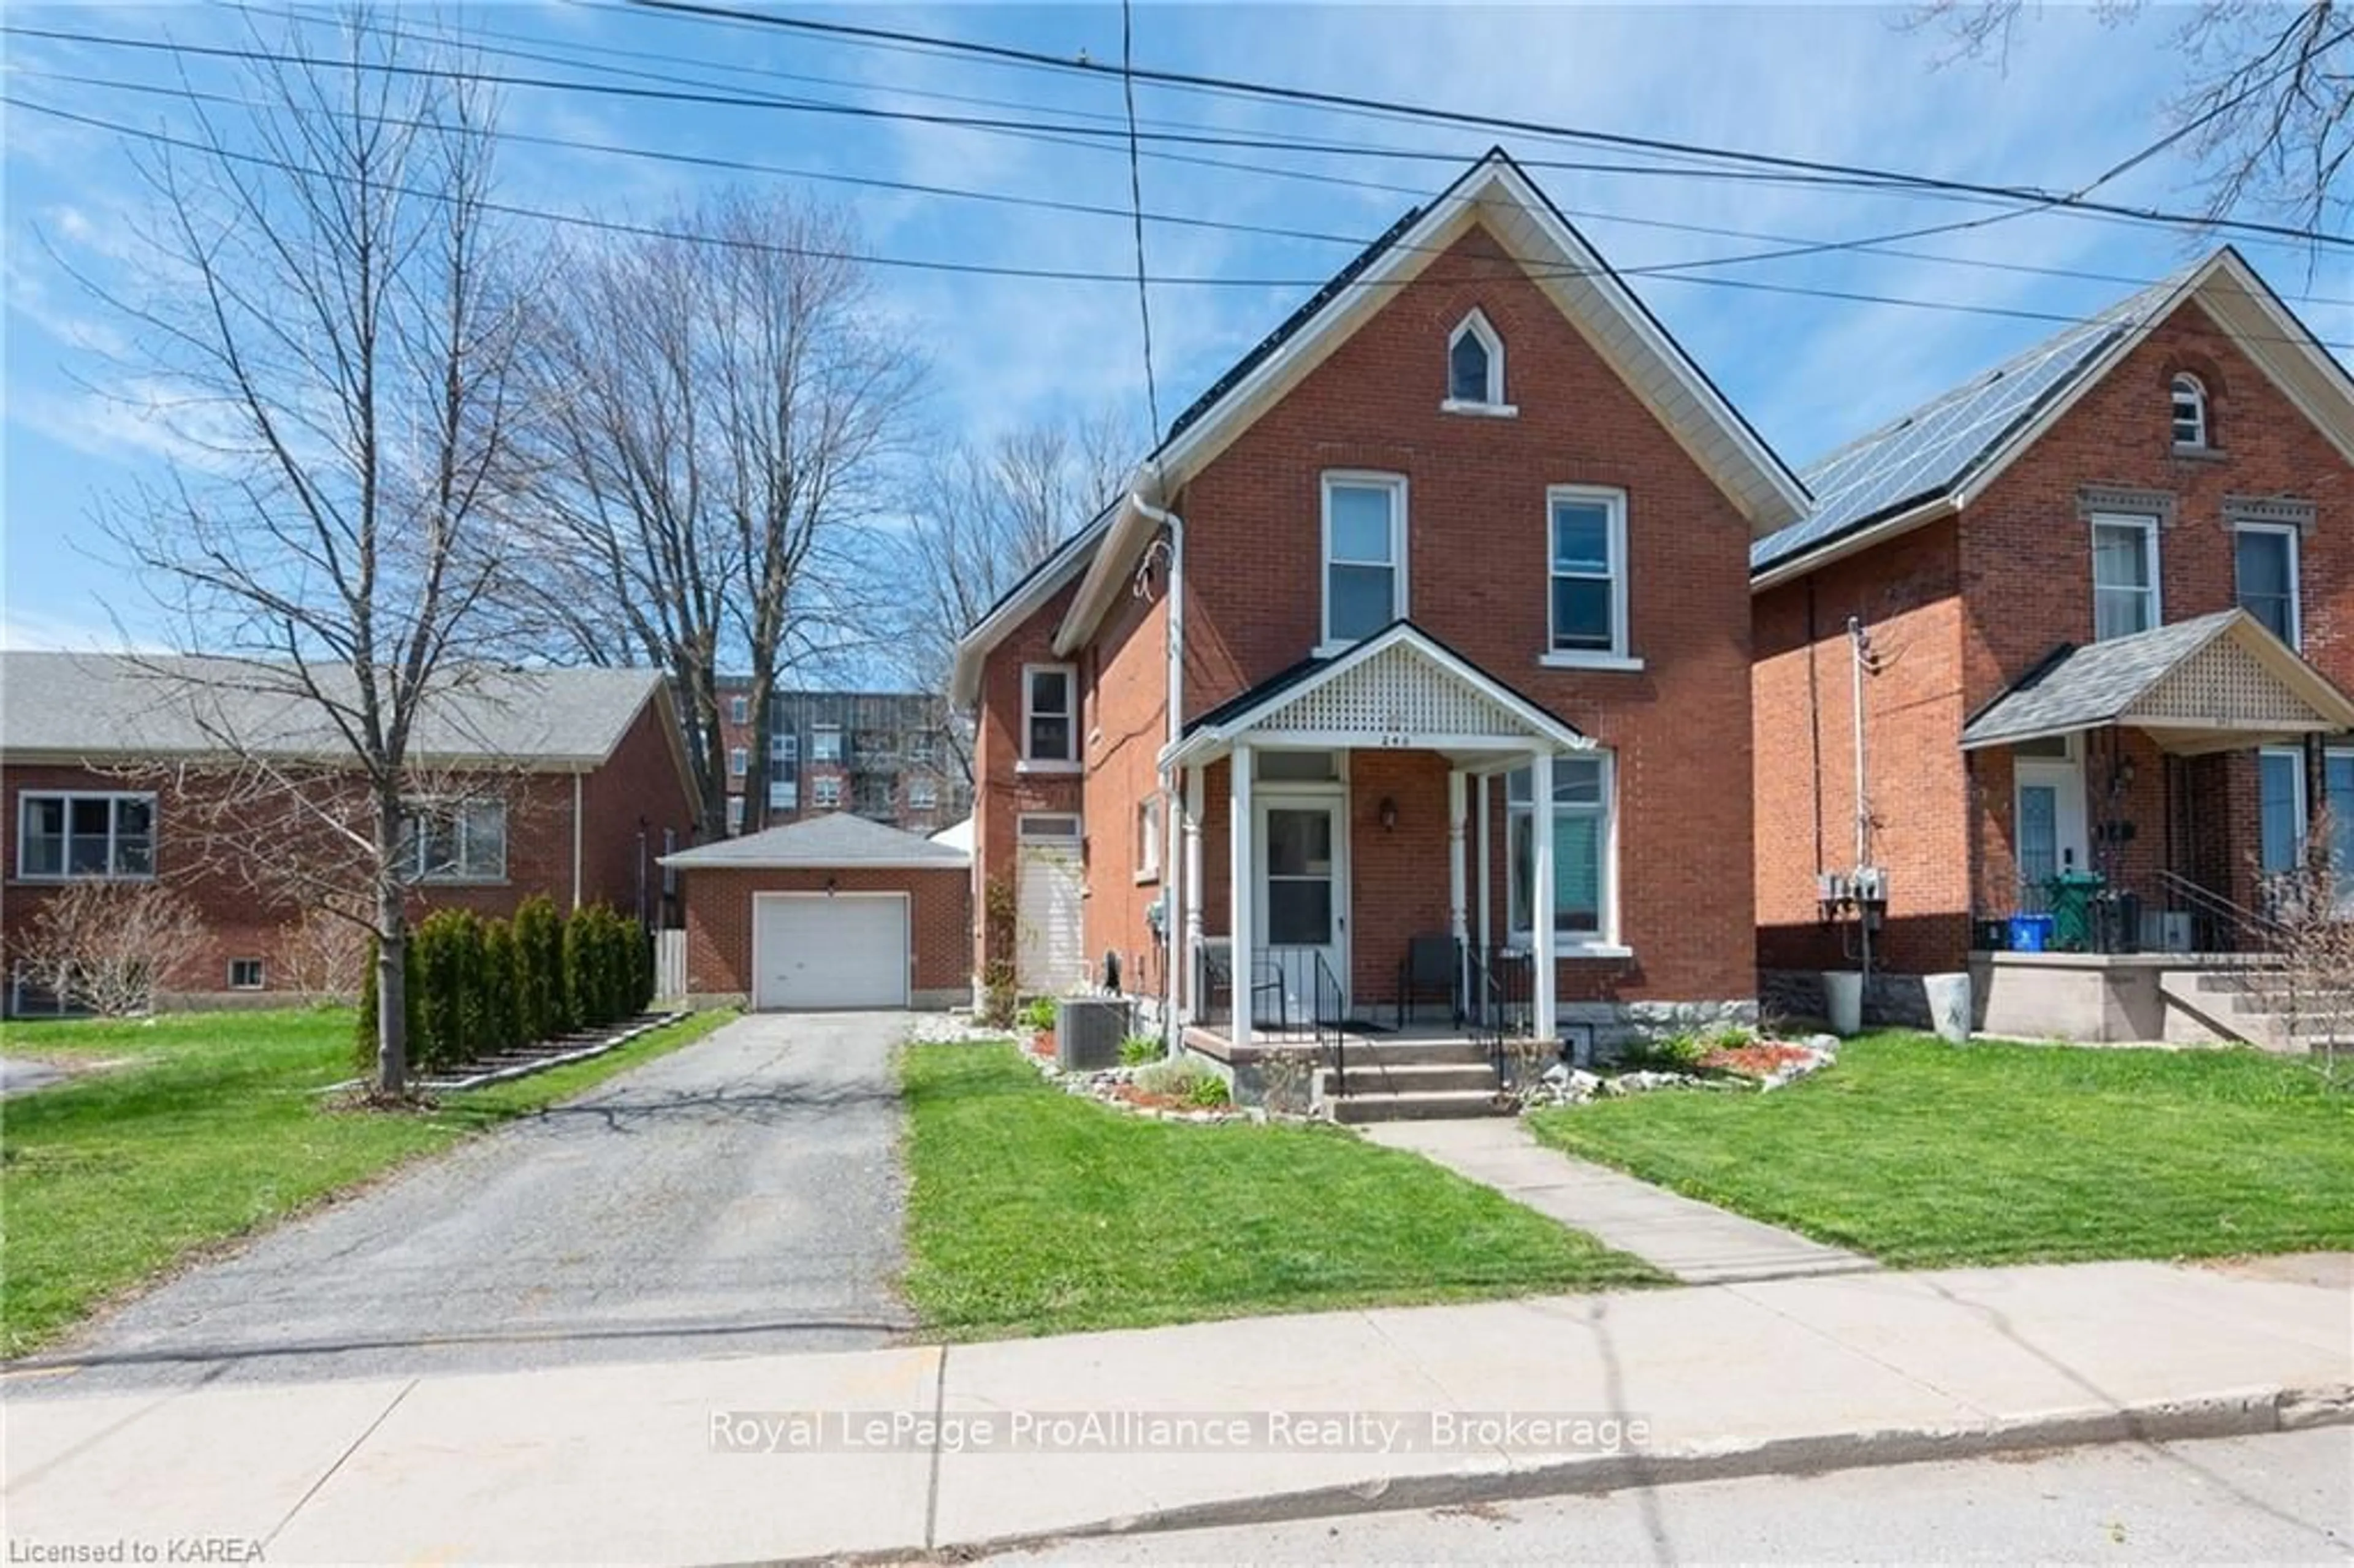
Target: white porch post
x=1190, y=941
x=1240, y=935
x=1541, y=913
x=1457, y=924
x=1484, y=898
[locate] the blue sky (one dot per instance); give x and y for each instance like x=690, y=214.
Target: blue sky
x=1842, y=84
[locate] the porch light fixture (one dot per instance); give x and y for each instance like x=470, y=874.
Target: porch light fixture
x=1389, y=814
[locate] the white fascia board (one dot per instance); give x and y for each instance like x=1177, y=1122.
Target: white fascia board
x=964, y=677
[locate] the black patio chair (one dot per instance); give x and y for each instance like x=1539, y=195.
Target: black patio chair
x=1432, y=970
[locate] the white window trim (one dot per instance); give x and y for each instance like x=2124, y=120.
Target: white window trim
x=740, y=759
x=2301, y=811
x=1604, y=942
x=825, y=794
x=460, y=877
x=1369, y=479
x=1049, y=828
x=1493, y=405
x=785, y=747
x=2290, y=532
x=739, y=710
x=1070, y=716
x=2204, y=439
x=1149, y=832
x=24, y=812
x=1616, y=656
x=735, y=813
x=923, y=795
x=2149, y=527
x=260, y=973
x=819, y=735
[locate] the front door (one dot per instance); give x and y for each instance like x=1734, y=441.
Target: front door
x=2051, y=837
x=1301, y=912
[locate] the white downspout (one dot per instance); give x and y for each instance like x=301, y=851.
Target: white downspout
x=1172, y=932
x=576, y=776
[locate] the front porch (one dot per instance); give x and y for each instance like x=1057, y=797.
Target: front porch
x=1369, y=902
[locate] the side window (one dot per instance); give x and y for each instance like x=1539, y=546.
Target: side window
x=2190, y=407
x=1050, y=730
x=1475, y=366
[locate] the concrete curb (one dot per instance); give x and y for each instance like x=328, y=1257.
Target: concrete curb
x=2251, y=1412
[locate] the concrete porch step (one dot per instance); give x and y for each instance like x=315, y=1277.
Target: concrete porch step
x=1416, y=1053
x=1429, y=1104
x=1365, y=1077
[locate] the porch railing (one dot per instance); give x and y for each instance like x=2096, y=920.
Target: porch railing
x=2168, y=912
x=1502, y=1004
x=1294, y=998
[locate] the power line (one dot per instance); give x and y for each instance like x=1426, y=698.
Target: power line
x=1793, y=246
x=1065, y=275
x=1136, y=202
x=1358, y=103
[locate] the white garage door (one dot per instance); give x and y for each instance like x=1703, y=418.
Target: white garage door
x=842, y=949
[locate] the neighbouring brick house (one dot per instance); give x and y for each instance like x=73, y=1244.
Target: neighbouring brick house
x=109, y=764
x=837, y=911
x=2107, y=618
x=890, y=756
x=1468, y=532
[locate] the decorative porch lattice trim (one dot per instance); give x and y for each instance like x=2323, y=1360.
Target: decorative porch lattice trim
x=2223, y=686
x=1399, y=691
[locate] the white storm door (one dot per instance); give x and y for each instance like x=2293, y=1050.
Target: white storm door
x=1301, y=906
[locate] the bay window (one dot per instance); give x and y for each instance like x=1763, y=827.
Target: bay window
x=1580, y=824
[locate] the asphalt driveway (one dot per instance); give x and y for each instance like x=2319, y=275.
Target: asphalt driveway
x=740, y=1196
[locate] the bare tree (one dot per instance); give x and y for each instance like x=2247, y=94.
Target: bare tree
x=719, y=412
x=325, y=320
x=2309, y=922
x=110, y=946
x=981, y=516
x=2267, y=103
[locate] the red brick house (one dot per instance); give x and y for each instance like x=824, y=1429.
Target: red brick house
x=2099, y=606
x=108, y=765
x=1468, y=532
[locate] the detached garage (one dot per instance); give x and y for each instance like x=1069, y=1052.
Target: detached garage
x=831, y=913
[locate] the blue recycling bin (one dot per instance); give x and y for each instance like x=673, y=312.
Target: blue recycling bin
x=2030, y=933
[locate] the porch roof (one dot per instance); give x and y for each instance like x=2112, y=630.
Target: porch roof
x=2216, y=683
x=1400, y=687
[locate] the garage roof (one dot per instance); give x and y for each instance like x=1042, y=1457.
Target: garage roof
x=837, y=839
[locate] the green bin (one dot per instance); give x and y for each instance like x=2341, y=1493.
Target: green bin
x=2072, y=892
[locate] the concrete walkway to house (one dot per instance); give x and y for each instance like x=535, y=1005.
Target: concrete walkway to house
x=898, y=1450
x=1696, y=1241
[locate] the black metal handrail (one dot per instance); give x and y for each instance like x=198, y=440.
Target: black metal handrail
x=1501, y=1005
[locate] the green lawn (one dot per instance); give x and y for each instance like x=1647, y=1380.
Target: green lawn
x=1036, y=1211
x=210, y=1129
x=1924, y=1154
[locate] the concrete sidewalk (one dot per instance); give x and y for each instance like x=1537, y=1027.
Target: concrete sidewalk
x=1697, y=1243
x=610, y=1463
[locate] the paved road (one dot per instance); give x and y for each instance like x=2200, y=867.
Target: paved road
x=741, y=1195
x=2289, y=1498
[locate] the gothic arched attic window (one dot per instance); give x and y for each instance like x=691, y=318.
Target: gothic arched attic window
x=2188, y=396
x=1475, y=364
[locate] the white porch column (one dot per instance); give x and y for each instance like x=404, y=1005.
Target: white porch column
x=1484, y=900
x=1190, y=939
x=1240, y=936
x=1457, y=926
x=1540, y=915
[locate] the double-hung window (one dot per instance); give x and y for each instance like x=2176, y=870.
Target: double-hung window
x=2124, y=575
x=826, y=792
x=2187, y=396
x=457, y=840
x=64, y=835
x=826, y=743
x=738, y=759
x=1050, y=728
x=1580, y=850
x=1148, y=839
x=739, y=710
x=1364, y=555
x=2264, y=559
x=1586, y=572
